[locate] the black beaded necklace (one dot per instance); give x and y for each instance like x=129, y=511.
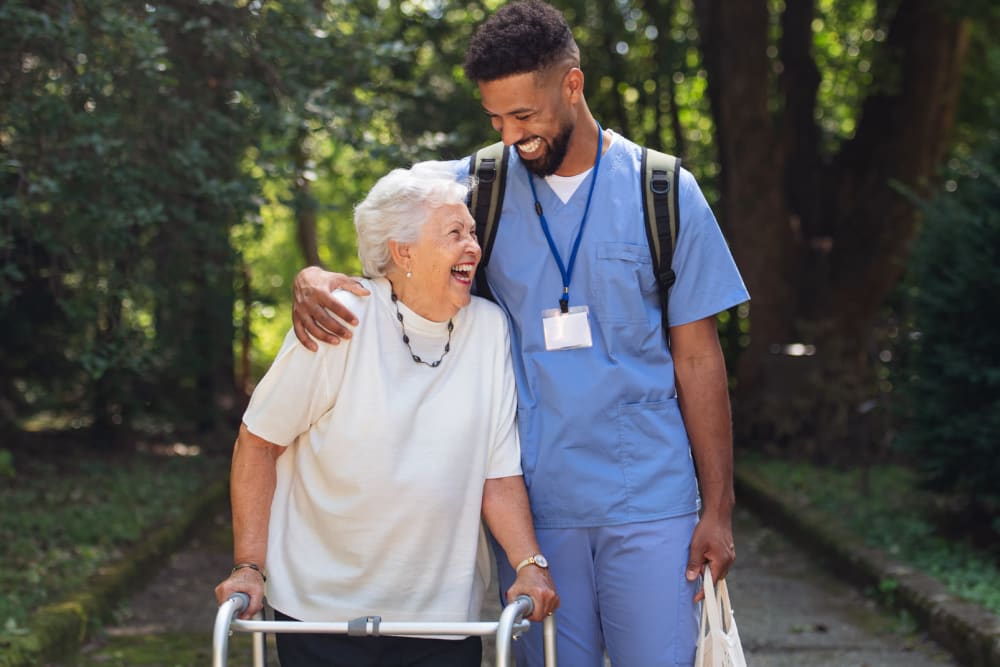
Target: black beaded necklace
x=406, y=339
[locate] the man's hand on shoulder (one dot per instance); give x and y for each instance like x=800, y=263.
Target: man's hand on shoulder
x=313, y=303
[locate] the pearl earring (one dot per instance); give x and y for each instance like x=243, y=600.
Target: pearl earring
x=409, y=274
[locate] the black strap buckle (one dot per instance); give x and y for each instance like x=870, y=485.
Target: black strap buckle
x=487, y=172
x=659, y=183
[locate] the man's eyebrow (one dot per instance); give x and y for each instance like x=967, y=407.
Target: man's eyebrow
x=512, y=112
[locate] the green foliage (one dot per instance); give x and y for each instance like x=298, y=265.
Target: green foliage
x=645, y=75
x=124, y=135
x=118, y=140
x=950, y=372
x=63, y=520
x=845, y=40
x=885, y=506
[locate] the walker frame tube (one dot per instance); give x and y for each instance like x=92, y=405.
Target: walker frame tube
x=510, y=625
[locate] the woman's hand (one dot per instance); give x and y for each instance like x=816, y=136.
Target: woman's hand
x=536, y=583
x=313, y=304
x=505, y=509
x=245, y=580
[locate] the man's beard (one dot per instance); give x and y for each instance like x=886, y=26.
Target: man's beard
x=554, y=156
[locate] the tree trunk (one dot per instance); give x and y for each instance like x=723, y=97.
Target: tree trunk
x=304, y=203
x=902, y=139
x=752, y=208
x=109, y=423
x=821, y=242
x=245, y=382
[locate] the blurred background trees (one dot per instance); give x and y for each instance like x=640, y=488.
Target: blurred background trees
x=949, y=370
x=167, y=167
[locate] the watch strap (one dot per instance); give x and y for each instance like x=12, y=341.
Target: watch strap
x=537, y=560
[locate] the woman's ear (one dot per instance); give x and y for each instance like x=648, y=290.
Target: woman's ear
x=400, y=253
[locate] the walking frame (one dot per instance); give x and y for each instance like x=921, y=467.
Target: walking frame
x=511, y=624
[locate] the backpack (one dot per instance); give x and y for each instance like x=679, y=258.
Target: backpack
x=659, y=176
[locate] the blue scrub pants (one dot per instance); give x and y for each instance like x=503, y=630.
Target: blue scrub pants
x=622, y=590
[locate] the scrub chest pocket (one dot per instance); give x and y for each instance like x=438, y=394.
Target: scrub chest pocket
x=624, y=280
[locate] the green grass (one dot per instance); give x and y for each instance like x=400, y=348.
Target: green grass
x=67, y=514
x=895, y=516
x=169, y=650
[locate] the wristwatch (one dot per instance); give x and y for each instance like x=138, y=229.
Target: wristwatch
x=538, y=560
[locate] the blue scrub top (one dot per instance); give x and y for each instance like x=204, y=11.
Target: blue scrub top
x=602, y=439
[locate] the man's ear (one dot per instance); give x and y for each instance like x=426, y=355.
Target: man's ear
x=573, y=85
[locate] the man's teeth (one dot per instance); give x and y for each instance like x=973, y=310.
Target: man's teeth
x=531, y=145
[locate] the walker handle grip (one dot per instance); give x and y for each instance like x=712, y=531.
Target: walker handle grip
x=227, y=612
x=242, y=601
x=527, y=603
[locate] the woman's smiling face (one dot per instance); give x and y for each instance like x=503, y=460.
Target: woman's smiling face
x=443, y=262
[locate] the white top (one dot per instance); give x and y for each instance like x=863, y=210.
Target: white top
x=565, y=186
x=378, y=498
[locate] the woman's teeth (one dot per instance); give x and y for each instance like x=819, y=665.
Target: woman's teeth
x=463, y=271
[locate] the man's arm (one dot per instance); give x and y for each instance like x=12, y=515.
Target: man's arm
x=313, y=303
x=506, y=512
x=703, y=392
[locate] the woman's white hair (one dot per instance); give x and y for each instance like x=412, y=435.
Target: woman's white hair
x=397, y=207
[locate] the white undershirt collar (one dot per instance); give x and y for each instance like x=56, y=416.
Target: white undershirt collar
x=565, y=186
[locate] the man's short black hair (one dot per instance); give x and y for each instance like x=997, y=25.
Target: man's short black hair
x=523, y=36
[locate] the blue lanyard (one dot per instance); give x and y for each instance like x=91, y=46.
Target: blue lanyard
x=567, y=272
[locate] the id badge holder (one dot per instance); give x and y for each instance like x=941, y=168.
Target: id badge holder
x=566, y=331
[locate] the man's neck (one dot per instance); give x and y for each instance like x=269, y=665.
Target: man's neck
x=582, y=147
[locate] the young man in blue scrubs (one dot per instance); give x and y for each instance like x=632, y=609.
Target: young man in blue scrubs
x=613, y=422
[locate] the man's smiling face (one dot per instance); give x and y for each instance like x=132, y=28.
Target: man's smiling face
x=531, y=112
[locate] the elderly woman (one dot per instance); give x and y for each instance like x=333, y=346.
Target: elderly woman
x=361, y=471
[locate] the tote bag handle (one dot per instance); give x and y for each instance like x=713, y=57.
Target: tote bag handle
x=718, y=639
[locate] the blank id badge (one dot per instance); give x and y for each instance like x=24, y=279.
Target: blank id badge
x=566, y=331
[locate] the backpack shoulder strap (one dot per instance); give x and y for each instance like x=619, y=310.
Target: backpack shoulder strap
x=489, y=166
x=661, y=211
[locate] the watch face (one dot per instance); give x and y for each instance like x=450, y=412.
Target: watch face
x=541, y=561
